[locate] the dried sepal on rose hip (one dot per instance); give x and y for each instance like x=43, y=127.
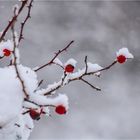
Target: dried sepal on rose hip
x=35, y=115
x=123, y=54
x=6, y=52
x=70, y=66
x=60, y=109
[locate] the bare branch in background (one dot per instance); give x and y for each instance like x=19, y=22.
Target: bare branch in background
x=24, y=22
x=96, y=88
x=11, y=22
x=56, y=55
x=86, y=64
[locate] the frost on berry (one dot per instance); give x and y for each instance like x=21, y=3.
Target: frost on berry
x=70, y=65
x=6, y=48
x=123, y=54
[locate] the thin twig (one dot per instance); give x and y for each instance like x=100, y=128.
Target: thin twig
x=56, y=55
x=86, y=64
x=26, y=19
x=40, y=83
x=58, y=65
x=15, y=63
x=17, y=125
x=92, y=73
x=98, y=89
x=27, y=100
x=62, y=83
x=1, y=57
x=40, y=106
x=108, y=67
x=11, y=22
x=25, y=112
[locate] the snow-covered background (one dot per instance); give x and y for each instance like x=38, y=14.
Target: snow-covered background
x=99, y=29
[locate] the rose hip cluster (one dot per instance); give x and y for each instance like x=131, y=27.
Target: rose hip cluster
x=121, y=57
x=35, y=114
x=69, y=68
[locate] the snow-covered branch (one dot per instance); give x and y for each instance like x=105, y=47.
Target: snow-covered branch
x=54, y=60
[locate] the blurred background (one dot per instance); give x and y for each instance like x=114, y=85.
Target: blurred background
x=99, y=29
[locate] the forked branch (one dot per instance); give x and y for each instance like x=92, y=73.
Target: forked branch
x=11, y=22
x=25, y=20
x=56, y=55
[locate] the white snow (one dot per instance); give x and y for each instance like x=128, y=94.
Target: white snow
x=17, y=55
x=125, y=52
x=17, y=129
x=43, y=100
x=72, y=62
x=58, y=62
x=93, y=67
x=27, y=104
x=28, y=126
x=29, y=77
x=16, y=38
x=49, y=88
x=6, y=45
x=11, y=102
x=11, y=95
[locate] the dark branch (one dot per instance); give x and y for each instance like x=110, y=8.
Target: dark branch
x=40, y=83
x=40, y=106
x=13, y=20
x=15, y=63
x=98, y=89
x=1, y=57
x=86, y=64
x=108, y=67
x=62, y=83
x=81, y=77
x=92, y=73
x=56, y=55
x=26, y=19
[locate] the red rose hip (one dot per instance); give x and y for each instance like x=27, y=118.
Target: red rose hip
x=6, y=52
x=34, y=115
x=60, y=109
x=121, y=59
x=69, y=68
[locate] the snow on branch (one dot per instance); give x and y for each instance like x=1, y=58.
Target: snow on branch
x=15, y=60
x=25, y=20
x=89, y=69
x=53, y=60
